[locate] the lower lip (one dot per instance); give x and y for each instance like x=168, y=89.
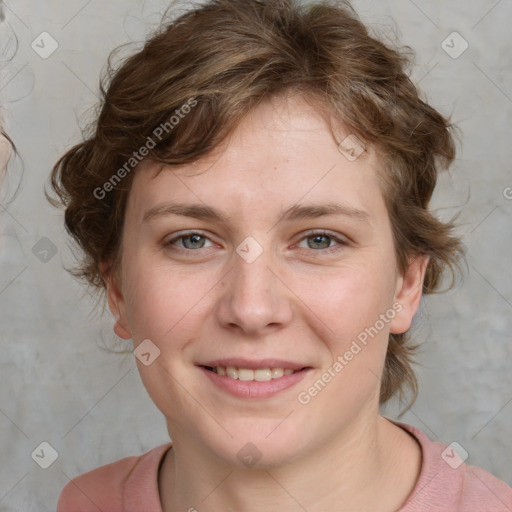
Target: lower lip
x=253, y=388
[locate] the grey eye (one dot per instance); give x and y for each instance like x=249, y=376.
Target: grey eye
x=317, y=241
x=193, y=241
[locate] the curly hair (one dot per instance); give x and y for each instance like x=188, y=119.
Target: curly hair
x=220, y=60
x=7, y=150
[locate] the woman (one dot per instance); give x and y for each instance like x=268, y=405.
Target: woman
x=254, y=202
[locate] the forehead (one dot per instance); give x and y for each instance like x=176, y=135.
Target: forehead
x=282, y=153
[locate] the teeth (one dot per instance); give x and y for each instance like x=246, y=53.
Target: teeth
x=259, y=375
x=277, y=372
x=232, y=372
x=245, y=374
x=263, y=374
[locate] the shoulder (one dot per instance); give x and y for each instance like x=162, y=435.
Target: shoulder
x=448, y=484
x=107, y=487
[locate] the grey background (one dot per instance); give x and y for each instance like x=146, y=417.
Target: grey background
x=61, y=386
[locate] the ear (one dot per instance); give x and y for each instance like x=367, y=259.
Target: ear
x=116, y=302
x=408, y=293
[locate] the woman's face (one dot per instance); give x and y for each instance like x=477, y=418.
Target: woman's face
x=225, y=263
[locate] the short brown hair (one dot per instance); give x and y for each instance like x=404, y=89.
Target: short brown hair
x=227, y=56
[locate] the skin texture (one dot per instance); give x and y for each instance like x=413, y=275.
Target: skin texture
x=297, y=301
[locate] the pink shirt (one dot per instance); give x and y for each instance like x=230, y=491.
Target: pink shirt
x=131, y=484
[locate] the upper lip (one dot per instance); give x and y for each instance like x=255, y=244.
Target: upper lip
x=254, y=364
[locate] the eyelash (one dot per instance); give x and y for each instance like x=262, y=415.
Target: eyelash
x=340, y=242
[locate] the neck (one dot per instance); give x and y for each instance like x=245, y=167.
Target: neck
x=372, y=466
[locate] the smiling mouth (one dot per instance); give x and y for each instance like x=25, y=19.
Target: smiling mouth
x=248, y=374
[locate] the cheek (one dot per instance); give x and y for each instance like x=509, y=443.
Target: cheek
x=358, y=343
x=161, y=300
x=351, y=306
x=352, y=300
x=160, y=307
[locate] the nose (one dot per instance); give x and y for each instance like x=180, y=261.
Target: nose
x=255, y=299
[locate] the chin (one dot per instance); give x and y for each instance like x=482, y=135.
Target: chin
x=260, y=444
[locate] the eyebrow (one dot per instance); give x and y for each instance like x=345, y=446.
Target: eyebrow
x=294, y=213
x=197, y=211
x=300, y=212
